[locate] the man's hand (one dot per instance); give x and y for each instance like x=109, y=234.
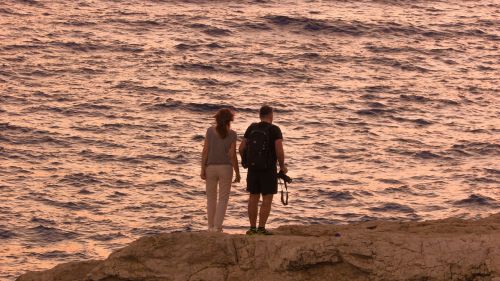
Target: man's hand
x=203, y=174
x=284, y=169
x=237, y=178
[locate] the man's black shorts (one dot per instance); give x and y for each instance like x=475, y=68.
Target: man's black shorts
x=262, y=181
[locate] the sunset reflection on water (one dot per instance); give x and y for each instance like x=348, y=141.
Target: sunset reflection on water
x=389, y=110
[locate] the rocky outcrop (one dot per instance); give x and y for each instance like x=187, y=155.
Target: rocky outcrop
x=448, y=249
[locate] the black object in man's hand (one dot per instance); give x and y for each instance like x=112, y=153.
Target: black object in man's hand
x=284, y=177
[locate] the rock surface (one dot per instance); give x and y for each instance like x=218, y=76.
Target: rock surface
x=449, y=249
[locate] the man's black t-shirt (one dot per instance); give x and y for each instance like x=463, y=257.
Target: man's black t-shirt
x=274, y=134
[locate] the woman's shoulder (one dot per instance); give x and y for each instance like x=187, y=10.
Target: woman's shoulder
x=233, y=134
x=210, y=130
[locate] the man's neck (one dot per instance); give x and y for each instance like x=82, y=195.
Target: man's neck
x=266, y=120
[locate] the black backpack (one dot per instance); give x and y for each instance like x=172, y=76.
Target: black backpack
x=258, y=149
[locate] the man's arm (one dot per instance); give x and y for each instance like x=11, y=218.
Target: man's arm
x=280, y=153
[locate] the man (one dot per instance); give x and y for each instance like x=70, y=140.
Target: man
x=260, y=149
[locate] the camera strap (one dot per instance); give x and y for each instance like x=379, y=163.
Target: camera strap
x=284, y=193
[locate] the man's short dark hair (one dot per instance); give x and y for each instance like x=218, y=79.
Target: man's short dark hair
x=265, y=110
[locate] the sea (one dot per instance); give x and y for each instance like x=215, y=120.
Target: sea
x=390, y=110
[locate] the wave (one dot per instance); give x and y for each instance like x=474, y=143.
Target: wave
x=374, y=111
x=6, y=234
x=408, y=49
x=94, y=142
x=24, y=135
x=336, y=195
x=43, y=234
x=390, y=181
x=214, y=82
x=80, y=179
x=250, y=25
x=492, y=171
x=177, y=159
x=141, y=22
x=85, y=191
x=103, y=157
x=245, y=67
x=425, y=154
x=340, y=26
x=392, y=207
x=415, y=98
x=107, y=236
x=214, y=31
x=9, y=12
x=56, y=254
x=87, y=109
x=372, y=29
x=196, y=47
x=486, y=180
x=197, y=107
x=116, y=196
x=42, y=221
x=401, y=189
x=86, y=47
x=138, y=87
x=195, y=67
x=171, y=182
x=418, y=121
x=448, y=154
x=344, y=182
x=477, y=148
x=478, y=200
x=70, y=205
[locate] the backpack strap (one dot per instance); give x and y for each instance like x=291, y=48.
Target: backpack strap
x=266, y=127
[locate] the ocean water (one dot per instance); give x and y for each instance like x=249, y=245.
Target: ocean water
x=390, y=110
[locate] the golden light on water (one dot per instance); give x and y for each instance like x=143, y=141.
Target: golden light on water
x=389, y=110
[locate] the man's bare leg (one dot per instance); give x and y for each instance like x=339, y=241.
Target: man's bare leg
x=265, y=209
x=253, y=206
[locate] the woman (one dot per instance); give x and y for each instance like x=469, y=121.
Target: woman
x=217, y=164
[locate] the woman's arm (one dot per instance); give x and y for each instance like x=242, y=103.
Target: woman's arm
x=243, y=146
x=204, y=159
x=234, y=161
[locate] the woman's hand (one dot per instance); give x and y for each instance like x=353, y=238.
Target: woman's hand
x=203, y=174
x=237, y=178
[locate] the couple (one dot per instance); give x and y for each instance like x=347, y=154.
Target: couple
x=262, y=140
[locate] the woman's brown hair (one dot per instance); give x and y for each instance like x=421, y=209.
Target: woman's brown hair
x=223, y=117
